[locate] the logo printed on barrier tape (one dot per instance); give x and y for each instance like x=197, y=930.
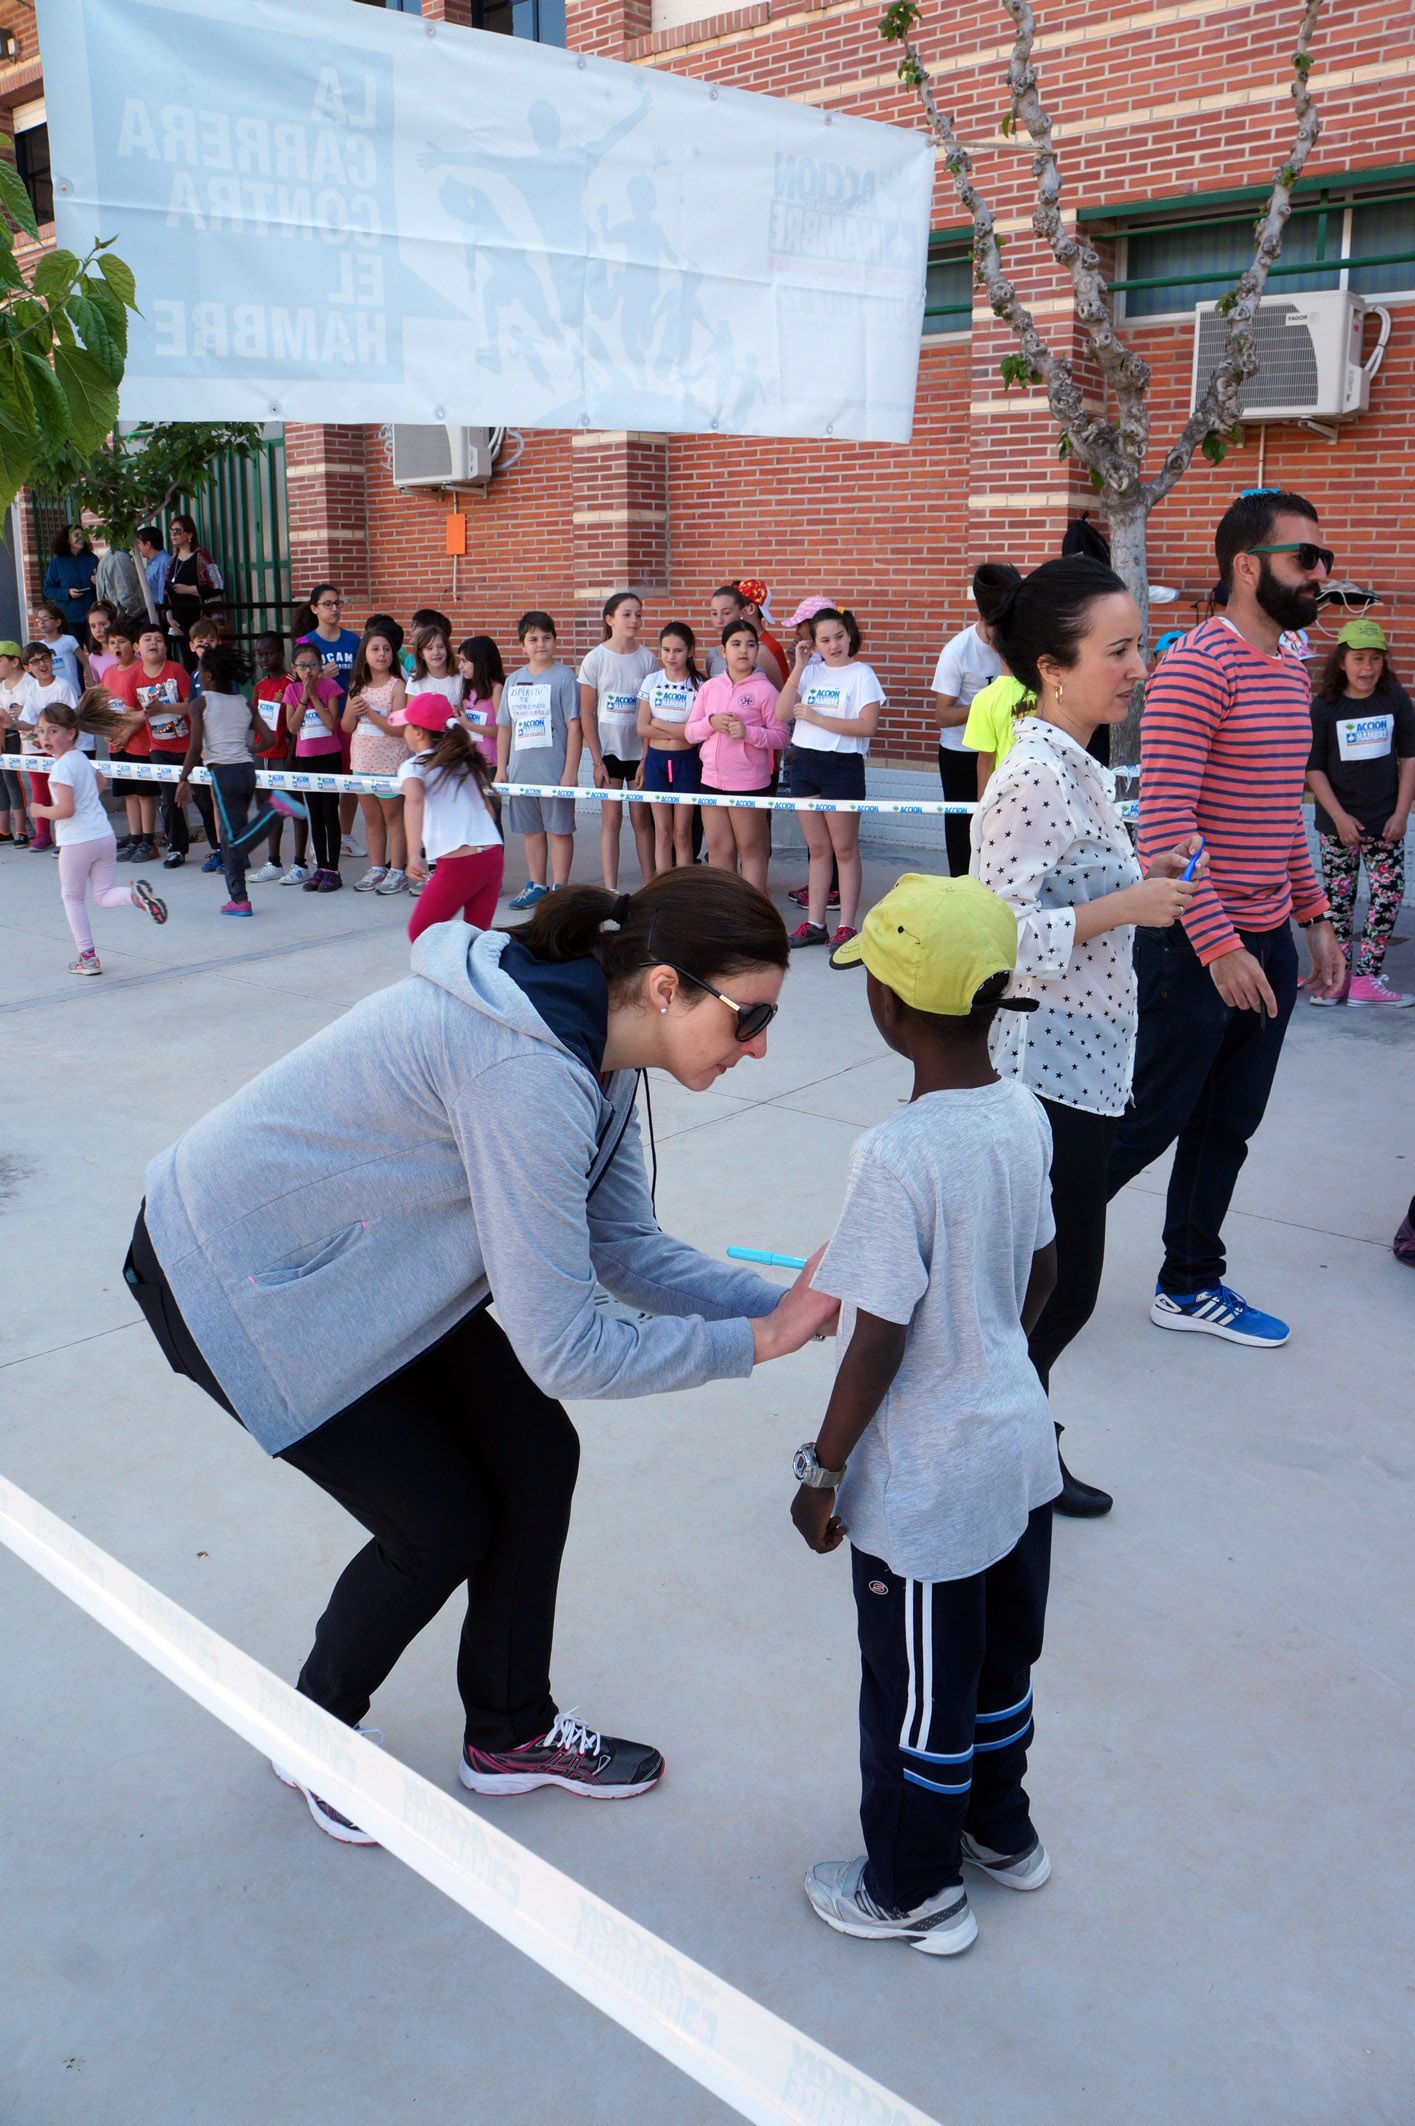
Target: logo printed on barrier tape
x=616, y=1947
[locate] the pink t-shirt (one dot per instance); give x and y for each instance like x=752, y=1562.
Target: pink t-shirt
x=311, y=737
x=737, y=763
x=100, y=663
x=480, y=710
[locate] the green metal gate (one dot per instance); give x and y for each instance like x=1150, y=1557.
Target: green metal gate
x=242, y=521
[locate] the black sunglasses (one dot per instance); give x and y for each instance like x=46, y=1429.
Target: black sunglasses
x=1307, y=555
x=752, y=1019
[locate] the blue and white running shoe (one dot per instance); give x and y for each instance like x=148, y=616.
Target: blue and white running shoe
x=1219, y=1312
x=530, y=895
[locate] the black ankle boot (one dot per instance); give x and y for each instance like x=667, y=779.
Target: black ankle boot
x=1078, y=1501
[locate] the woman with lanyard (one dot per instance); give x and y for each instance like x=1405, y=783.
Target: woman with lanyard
x=323, y=1270
x=1047, y=838
x=194, y=588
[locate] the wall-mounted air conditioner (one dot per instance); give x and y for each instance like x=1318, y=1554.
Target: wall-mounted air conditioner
x=1309, y=357
x=439, y=456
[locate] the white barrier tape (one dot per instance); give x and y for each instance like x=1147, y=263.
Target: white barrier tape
x=756, y=2063
x=386, y=786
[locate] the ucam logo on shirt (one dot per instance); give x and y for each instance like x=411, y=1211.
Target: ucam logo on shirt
x=1364, y=737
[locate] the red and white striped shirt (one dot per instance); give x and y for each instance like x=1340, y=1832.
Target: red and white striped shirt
x=1224, y=745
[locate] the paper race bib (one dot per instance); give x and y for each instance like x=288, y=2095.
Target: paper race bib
x=619, y=708
x=1364, y=737
x=530, y=715
x=826, y=699
x=313, y=725
x=269, y=713
x=671, y=700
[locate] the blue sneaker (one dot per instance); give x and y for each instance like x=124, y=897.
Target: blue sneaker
x=1219, y=1312
x=213, y=863
x=529, y=895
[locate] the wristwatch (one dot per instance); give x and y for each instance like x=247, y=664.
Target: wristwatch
x=807, y=1470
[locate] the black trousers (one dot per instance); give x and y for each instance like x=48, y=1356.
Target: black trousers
x=173, y=817
x=1080, y=1154
x=463, y=1474
x=946, y=1713
x=958, y=772
x=1203, y=1072
x=233, y=785
x=323, y=809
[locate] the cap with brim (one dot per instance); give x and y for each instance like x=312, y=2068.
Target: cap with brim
x=425, y=712
x=809, y=607
x=9, y=649
x=935, y=942
x=1362, y=635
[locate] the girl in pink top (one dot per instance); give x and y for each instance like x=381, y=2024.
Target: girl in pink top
x=483, y=676
x=734, y=720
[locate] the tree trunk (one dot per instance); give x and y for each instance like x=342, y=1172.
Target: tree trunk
x=1126, y=518
x=138, y=564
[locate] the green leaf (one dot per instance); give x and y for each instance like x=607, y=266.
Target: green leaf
x=115, y=317
x=120, y=279
x=1008, y=126
x=51, y=408
x=16, y=403
x=15, y=199
x=1095, y=479
x=55, y=275
x=1214, y=448
x=898, y=20
x=93, y=402
x=1063, y=448
x=10, y=274
x=16, y=457
x=93, y=329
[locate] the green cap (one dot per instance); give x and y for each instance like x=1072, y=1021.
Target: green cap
x=10, y=649
x=1362, y=635
x=934, y=942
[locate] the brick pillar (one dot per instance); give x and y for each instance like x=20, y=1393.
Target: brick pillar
x=606, y=26
x=324, y=478
x=619, y=514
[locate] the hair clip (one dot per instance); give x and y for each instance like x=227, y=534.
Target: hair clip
x=620, y=910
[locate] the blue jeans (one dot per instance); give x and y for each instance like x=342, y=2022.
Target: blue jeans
x=1203, y=1072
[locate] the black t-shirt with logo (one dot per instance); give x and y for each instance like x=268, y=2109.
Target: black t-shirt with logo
x=1358, y=746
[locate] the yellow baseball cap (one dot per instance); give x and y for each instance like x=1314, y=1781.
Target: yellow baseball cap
x=935, y=941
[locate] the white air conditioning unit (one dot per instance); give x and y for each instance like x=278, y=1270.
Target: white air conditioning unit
x=1309, y=357
x=439, y=456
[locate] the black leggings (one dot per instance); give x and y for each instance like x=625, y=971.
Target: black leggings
x=323, y=807
x=958, y=772
x=463, y=1474
x=1080, y=1152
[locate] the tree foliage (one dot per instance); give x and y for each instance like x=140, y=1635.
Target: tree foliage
x=63, y=344
x=139, y=472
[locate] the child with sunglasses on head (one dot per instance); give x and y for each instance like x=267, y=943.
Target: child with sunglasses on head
x=74, y=804
x=937, y=1456
x=670, y=762
x=446, y=784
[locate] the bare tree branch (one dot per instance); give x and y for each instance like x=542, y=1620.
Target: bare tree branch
x=1218, y=407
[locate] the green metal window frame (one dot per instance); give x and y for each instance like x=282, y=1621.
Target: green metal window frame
x=950, y=248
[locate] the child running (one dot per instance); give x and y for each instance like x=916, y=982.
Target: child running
x=670, y=762
x=610, y=678
x=937, y=1433
x=1362, y=774
x=85, y=840
x=312, y=710
x=538, y=740
x=734, y=720
x=445, y=785
x=483, y=679
x=835, y=705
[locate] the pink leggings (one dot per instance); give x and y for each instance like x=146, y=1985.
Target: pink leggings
x=85, y=866
x=469, y=886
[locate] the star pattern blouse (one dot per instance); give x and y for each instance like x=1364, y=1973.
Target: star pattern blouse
x=1046, y=838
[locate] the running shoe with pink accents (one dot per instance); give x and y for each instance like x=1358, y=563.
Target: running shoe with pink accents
x=569, y=1754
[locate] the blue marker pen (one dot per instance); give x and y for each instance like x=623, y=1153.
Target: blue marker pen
x=773, y=1262
x=1192, y=866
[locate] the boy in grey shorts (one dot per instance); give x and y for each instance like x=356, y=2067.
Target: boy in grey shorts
x=937, y=1433
x=538, y=740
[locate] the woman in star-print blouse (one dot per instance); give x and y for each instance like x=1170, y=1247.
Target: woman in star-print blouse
x=1048, y=839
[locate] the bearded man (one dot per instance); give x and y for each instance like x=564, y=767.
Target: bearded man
x=1224, y=749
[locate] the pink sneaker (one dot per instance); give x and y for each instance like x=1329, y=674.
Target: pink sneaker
x=1371, y=989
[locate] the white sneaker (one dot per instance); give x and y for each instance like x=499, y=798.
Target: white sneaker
x=295, y=876
x=1015, y=1871
x=394, y=881
x=268, y=875
x=372, y=879
x=942, y=1926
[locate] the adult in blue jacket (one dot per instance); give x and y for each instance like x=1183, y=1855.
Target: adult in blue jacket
x=323, y=1269
x=68, y=580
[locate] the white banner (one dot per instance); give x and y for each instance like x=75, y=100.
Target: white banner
x=340, y=213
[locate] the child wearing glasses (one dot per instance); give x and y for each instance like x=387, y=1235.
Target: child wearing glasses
x=937, y=1456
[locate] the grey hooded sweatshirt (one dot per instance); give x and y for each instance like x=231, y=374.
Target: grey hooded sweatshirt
x=437, y=1145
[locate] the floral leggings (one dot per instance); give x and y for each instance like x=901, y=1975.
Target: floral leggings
x=1385, y=882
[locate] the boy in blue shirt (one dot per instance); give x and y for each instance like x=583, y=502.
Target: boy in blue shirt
x=937, y=1433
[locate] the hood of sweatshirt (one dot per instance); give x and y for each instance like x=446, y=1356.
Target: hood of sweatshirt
x=565, y=1002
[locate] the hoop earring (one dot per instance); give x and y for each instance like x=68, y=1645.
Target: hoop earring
x=1060, y=691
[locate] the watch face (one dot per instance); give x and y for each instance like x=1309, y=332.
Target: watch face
x=802, y=1465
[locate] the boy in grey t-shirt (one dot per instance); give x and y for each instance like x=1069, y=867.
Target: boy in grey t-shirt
x=942, y=1260
x=538, y=741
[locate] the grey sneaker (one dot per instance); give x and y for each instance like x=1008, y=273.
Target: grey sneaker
x=324, y=1812
x=1015, y=1871
x=943, y=1926
x=372, y=879
x=394, y=881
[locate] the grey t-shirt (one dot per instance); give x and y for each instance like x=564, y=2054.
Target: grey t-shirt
x=539, y=707
x=945, y=1205
x=616, y=676
x=225, y=729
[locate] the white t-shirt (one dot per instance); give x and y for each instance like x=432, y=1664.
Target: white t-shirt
x=64, y=650
x=616, y=676
x=88, y=821
x=836, y=690
x=451, y=688
x=945, y=1205
x=964, y=667
x=40, y=697
x=669, y=700
x=455, y=814
x=14, y=697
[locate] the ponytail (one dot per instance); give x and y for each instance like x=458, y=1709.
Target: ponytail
x=455, y=753
x=94, y=714
x=708, y=924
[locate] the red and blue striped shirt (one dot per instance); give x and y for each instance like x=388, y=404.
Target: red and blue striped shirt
x=1224, y=745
